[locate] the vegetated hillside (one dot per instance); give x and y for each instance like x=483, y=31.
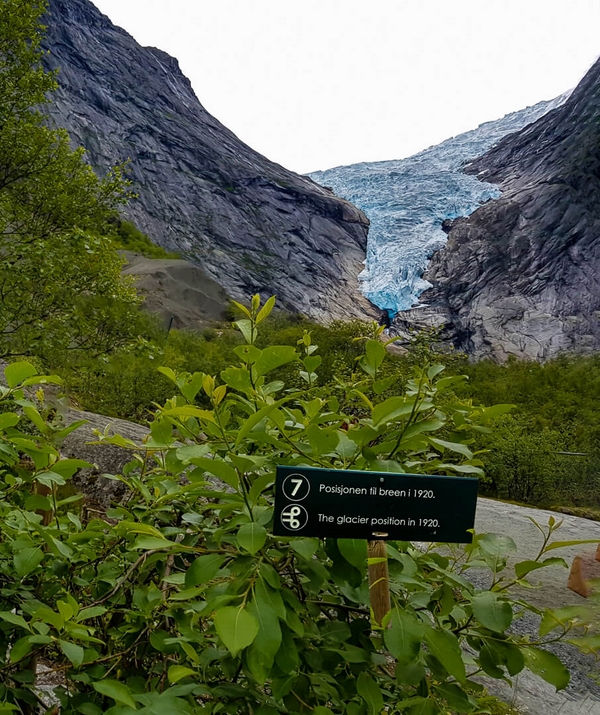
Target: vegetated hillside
x=521, y=275
x=251, y=224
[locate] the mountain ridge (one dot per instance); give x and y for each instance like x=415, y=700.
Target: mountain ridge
x=253, y=226
x=520, y=276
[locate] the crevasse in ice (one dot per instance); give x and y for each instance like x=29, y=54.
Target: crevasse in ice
x=407, y=200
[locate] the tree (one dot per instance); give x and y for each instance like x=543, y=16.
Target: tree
x=60, y=284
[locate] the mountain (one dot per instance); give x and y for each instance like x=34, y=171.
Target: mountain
x=250, y=224
x=408, y=201
x=521, y=275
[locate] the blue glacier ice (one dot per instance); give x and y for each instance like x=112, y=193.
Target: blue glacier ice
x=406, y=201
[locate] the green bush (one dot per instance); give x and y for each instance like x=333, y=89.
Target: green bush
x=522, y=463
x=182, y=601
x=126, y=236
x=557, y=411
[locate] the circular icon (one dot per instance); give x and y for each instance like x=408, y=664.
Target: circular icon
x=294, y=517
x=296, y=487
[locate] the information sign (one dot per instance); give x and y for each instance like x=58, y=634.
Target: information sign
x=374, y=505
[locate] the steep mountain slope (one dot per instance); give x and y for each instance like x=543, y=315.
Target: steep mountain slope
x=251, y=224
x=407, y=200
x=521, y=275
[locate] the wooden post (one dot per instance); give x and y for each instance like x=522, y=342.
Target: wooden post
x=379, y=580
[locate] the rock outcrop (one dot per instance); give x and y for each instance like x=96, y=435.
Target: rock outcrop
x=521, y=275
x=252, y=225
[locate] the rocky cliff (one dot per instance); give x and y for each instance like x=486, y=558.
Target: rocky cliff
x=521, y=275
x=252, y=225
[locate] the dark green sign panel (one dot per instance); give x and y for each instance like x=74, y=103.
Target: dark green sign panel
x=373, y=505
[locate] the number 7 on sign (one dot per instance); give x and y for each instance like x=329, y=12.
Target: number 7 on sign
x=296, y=487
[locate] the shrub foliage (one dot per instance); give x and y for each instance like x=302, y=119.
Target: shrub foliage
x=181, y=600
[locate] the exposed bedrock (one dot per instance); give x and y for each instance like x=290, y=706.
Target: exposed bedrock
x=521, y=275
x=252, y=225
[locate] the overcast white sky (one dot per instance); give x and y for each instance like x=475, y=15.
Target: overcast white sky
x=314, y=84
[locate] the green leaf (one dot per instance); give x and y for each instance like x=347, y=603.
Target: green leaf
x=547, y=666
x=525, y=567
x=346, y=447
x=306, y=547
x=151, y=543
x=489, y=413
x=391, y=409
x=374, y=352
x=252, y=537
x=576, y=542
x=8, y=419
x=257, y=417
x=177, y=672
x=496, y=545
x=273, y=357
x=15, y=619
x=354, y=551
x=136, y=527
x=35, y=418
x=403, y=637
x=203, y=569
x=323, y=440
x=410, y=674
x=90, y=612
x=37, y=501
x=21, y=648
x=241, y=308
x=245, y=328
x=74, y=652
x=435, y=370
x=445, y=647
x=115, y=690
x=27, y=560
x=456, y=697
x=67, y=467
x=261, y=653
x=462, y=468
x=265, y=311
x=491, y=612
x=237, y=378
x=452, y=446
x=312, y=362
x=190, y=411
x=509, y=654
x=236, y=628
x=49, y=478
x=553, y=618
x=168, y=372
x=369, y=691
x=219, y=468
x=17, y=372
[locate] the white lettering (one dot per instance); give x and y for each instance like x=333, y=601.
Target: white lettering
x=342, y=490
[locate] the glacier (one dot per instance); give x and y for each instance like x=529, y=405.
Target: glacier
x=407, y=200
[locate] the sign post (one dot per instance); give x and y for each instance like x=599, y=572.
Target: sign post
x=379, y=579
x=376, y=506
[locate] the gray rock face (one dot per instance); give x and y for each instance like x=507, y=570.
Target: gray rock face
x=521, y=275
x=252, y=225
